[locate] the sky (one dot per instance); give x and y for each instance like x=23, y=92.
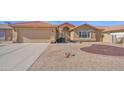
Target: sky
x=94, y=23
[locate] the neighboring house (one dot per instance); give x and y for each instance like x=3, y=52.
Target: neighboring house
x=113, y=34
x=38, y=32
x=6, y=32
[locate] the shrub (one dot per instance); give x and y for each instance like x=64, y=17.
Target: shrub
x=60, y=40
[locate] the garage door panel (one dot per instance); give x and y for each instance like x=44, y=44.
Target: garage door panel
x=36, y=36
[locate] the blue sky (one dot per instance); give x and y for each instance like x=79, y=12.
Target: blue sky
x=95, y=23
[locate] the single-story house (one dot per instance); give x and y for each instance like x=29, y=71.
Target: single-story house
x=6, y=32
x=113, y=34
x=38, y=31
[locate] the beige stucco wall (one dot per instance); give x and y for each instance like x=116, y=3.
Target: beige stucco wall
x=95, y=35
x=35, y=35
x=14, y=36
x=67, y=35
x=8, y=34
x=65, y=32
x=107, y=37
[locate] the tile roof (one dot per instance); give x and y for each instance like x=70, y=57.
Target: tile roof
x=101, y=27
x=33, y=24
x=68, y=24
x=114, y=28
x=45, y=24
x=106, y=28
x=88, y=26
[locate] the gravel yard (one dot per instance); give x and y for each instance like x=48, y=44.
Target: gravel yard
x=54, y=59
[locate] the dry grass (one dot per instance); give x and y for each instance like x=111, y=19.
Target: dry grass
x=54, y=59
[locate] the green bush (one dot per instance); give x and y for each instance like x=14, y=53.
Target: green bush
x=60, y=40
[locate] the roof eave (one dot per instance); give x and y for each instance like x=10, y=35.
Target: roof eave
x=87, y=25
x=108, y=31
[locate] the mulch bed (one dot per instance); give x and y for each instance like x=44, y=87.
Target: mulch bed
x=104, y=50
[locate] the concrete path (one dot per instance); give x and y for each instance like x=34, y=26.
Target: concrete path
x=20, y=57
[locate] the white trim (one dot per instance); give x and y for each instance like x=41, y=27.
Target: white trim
x=117, y=33
x=86, y=35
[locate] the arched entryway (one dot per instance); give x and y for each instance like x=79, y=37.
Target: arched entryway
x=66, y=33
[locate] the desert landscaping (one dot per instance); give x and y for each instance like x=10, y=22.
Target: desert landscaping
x=85, y=56
x=88, y=56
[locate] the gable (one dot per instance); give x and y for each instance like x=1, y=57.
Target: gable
x=85, y=27
x=66, y=25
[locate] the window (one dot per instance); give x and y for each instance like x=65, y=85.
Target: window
x=84, y=34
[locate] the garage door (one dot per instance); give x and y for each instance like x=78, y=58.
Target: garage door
x=36, y=36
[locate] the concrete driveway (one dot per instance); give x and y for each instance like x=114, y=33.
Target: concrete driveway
x=20, y=57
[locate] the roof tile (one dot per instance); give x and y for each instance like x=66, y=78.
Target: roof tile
x=33, y=24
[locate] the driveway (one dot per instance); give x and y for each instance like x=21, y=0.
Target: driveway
x=20, y=57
